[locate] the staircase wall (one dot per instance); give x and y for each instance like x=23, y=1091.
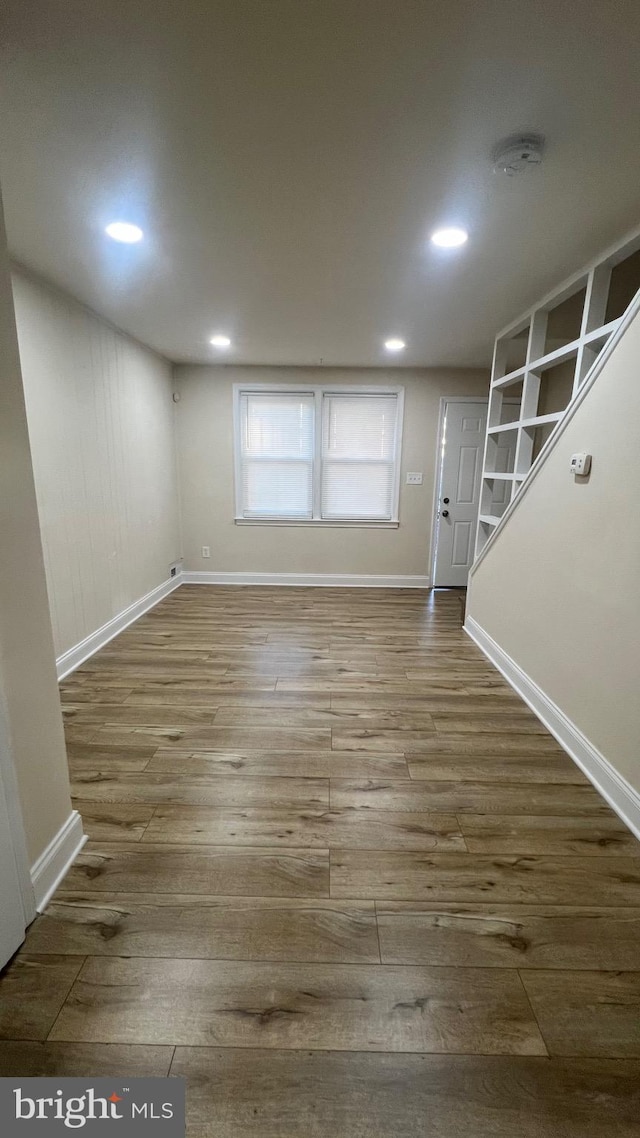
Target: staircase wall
x=555, y=597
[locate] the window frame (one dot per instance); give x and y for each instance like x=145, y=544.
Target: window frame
x=319, y=391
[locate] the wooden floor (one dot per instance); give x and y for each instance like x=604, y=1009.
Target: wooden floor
x=339, y=877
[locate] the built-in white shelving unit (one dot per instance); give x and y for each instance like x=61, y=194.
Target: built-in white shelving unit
x=540, y=363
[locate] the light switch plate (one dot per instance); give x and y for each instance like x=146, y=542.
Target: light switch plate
x=414, y=478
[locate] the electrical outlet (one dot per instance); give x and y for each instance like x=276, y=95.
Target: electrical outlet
x=414, y=478
x=206, y=551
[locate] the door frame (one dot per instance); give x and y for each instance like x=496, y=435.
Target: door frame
x=9, y=779
x=437, y=481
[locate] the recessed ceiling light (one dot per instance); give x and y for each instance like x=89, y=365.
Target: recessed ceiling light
x=449, y=238
x=124, y=232
x=220, y=342
x=394, y=345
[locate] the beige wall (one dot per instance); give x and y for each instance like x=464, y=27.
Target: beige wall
x=205, y=454
x=28, y=686
x=558, y=589
x=101, y=425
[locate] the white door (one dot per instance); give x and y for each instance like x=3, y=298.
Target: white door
x=458, y=489
x=11, y=910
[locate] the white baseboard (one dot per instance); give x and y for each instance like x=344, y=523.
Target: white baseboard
x=76, y=656
x=48, y=871
x=620, y=795
x=316, y=580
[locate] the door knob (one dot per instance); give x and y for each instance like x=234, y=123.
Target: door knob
x=445, y=513
x=446, y=501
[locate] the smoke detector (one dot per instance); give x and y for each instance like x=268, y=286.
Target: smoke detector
x=517, y=154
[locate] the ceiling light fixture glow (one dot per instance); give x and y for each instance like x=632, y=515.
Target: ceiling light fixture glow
x=220, y=342
x=449, y=238
x=124, y=232
x=394, y=345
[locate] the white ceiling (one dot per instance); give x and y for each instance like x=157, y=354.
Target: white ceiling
x=287, y=160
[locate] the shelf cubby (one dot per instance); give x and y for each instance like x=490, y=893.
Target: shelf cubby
x=623, y=286
x=590, y=353
x=539, y=436
x=500, y=452
x=506, y=405
x=555, y=386
x=512, y=377
x=564, y=321
x=497, y=485
x=540, y=363
x=511, y=350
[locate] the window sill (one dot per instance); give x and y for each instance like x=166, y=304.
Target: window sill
x=317, y=523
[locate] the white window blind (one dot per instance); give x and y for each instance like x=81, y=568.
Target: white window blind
x=318, y=455
x=358, y=456
x=276, y=455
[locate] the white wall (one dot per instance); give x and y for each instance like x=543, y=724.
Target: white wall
x=100, y=416
x=558, y=588
x=205, y=454
x=28, y=689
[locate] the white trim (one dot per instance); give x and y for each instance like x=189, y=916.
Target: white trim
x=319, y=391
x=552, y=442
x=318, y=580
x=86, y=648
x=47, y=872
x=74, y=657
x=9, y=781
x=615, y=789
x=323, y=523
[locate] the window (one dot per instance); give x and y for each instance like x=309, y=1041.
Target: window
x=317, y=454
x=276, y=455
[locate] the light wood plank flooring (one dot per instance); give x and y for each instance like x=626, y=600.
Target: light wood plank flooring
x=339, y=877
